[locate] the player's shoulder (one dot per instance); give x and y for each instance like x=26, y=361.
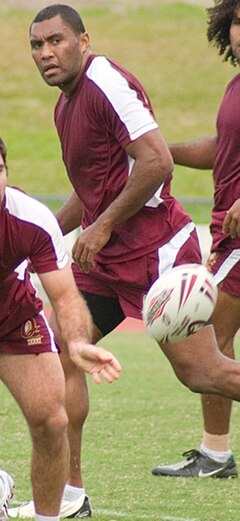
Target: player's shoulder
x=19, y=200
x=27, y=208
x=234, y=81
x=100, y=66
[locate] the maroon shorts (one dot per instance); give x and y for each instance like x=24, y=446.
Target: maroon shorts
x=128, y=281
x=32, y=337
x=226, y=270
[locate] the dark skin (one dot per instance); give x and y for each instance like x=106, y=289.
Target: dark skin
x=201, y=154
x=59, y=53
x=60, y=56
x=231, y=222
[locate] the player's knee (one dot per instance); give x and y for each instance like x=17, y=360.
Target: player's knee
x=195, y=384
x=57, y=423
x=197, y=381
x=189, y=376
x=226, y=346
x=51, y=425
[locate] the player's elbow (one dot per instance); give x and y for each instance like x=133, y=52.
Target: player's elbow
x=162, y=167
x=163, y=158
x=166, y=166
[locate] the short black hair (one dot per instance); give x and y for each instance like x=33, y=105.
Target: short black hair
x=67, y=13
x=3, y=153
x=219, y=22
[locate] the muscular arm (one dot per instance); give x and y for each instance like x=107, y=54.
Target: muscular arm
x=153, y=163
x=75, y=326
x=70, y=214
x=197, y=154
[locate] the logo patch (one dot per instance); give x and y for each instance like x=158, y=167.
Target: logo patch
x=157, y=305
x=30, y=331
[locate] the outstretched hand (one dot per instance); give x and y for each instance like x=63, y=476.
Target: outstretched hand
x=96, y=361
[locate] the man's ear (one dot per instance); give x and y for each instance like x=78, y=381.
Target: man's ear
x=84, y=42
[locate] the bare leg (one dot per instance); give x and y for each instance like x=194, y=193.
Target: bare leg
x=226, y=321
x=199, y=365
x=77, y=405
x=37, y=383
x=217, y=411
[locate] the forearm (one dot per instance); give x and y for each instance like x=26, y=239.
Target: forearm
x=70, y=214
x=153, y=164
x=76, y=327
x=72, y=314
x=73, y=318
x=197, y=154
x=134, y=196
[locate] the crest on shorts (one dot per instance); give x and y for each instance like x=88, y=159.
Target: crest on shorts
x=31, y=332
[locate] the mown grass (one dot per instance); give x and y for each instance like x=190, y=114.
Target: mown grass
x=165, y=46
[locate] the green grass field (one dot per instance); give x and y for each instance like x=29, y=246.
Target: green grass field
x=165, y=46
x=147, y=417
x=144, y=419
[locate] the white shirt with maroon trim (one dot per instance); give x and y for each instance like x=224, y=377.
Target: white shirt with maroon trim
x=28, y=231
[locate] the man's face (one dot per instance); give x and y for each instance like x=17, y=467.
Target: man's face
x=235, y=34
x=3, y=179
x=59, y=53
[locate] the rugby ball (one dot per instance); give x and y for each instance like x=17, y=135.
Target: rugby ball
x=179, y=303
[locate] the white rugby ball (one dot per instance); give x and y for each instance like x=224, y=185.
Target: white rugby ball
x=179, y=303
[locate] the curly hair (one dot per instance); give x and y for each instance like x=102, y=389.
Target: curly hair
x=3, y=153
x=219, y=22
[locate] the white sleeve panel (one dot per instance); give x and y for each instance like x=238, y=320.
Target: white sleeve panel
x=156, y=199
x=131, y=111
x=32, y=211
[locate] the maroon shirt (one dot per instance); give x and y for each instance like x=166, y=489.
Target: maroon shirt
x=28, y=230
x=226, y=172
x=109, y=109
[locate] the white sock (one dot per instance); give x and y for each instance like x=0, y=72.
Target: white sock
x=72, y=493
x=38, y=517
x=219, y=456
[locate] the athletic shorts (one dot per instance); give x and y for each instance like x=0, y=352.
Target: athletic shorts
x=226, y=270
x=32, y=337
x=127, y=282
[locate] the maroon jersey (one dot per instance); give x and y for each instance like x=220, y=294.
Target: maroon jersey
x=28, y=230
x=109, y=109
x=226, y=173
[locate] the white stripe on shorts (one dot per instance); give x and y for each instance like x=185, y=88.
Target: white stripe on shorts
x=167, y=254
x=53, y=345
x=226, y=266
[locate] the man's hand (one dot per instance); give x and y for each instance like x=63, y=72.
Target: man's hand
x=90, y=241
x=211, y=261
x=231, y=223
x=95, y=361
